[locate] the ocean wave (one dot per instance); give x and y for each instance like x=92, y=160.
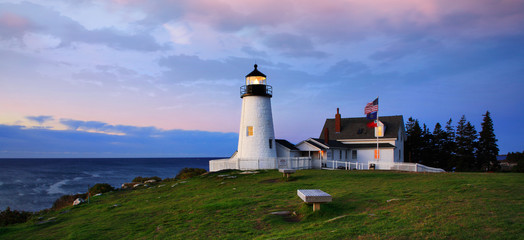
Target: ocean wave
x=92, y=174
x=56, y=187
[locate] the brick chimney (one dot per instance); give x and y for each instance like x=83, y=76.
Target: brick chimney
x=326, y=135
x=337, y=122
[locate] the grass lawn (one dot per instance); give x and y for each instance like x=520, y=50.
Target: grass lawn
x=366, y=205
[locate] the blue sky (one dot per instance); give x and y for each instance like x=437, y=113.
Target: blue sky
x=128, y=78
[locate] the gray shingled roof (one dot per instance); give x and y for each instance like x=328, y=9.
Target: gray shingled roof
x=337, y=144
x=356, y=128
x=369, y=145
x=330, y=144
x=286, y=144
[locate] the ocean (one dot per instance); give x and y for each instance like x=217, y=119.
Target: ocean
x=34, y=184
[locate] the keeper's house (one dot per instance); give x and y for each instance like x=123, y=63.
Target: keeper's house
x=351, y=140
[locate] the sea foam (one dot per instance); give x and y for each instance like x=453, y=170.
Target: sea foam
x=56, y=187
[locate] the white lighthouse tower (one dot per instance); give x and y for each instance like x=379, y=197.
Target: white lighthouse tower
x=256, y=140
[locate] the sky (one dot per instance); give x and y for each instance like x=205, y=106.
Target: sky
x=138, y=78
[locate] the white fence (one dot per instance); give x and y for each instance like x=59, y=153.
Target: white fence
x=409, y=167
x=295, y=163
x=307, y=163
x=221, y=164
x=260, y=163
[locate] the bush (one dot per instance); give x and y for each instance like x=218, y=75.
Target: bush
x=143, y=179
x=67, y=200
x=8, y=217
x=101, y=188
x=189, y=173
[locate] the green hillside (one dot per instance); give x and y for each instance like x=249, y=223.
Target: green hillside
x=366, y=205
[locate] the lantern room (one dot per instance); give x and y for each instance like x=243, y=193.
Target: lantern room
x=256, y=85
x=255, y=77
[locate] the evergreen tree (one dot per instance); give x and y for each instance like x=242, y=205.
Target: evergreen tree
x=449, y=147
x=439, y=155
x=466, y=137
x=518, y=158
x=427, y=156
x=413, y=141
x=487, y=146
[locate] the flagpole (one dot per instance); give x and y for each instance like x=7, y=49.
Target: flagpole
x=378, y=152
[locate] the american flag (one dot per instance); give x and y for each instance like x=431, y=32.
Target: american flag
x=371, y=107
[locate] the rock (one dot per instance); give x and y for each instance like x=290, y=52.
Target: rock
x=51, y=219
x=281, y=213
x=129, y=185
x=249, y=172
x=114, y=206
x=161, y=185
x=137, y=185
x=98, y=194
x=394, y=199
x=223, y=175
x=150, y=181
x=232, y=177
x=78, y=201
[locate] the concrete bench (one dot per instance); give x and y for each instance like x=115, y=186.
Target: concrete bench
x=286, y=172
x=315, y=196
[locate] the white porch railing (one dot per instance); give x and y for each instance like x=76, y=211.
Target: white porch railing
x=409, y=167
x=333, y=164
x=295, y=163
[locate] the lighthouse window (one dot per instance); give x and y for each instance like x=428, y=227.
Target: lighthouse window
x=270, y=143
x=250, y=130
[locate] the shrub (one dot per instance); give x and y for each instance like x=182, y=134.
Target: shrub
x=143, y=179
x=190, y=172
x=101, y=188
x=8, y=217
x=67, y=200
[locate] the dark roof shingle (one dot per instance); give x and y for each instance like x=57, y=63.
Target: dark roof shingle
x=286, y=144
x=356, y=128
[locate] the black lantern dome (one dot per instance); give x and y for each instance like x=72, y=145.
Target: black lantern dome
x=255, y=77
x=256, y=85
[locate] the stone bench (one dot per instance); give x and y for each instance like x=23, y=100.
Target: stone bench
x=315, y=196
x=286, y=172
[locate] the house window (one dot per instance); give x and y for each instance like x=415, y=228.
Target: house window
x=353, y=154
x=250, y=130
x=340, y=154
x=270, y=143
x=346, y=154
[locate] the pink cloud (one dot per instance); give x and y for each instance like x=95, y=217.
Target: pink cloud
x=13, y=25
x=13, y=20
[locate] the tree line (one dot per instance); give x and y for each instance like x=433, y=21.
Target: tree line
x=453, y=148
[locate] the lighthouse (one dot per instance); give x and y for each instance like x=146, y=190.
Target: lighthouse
x=256, y=140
